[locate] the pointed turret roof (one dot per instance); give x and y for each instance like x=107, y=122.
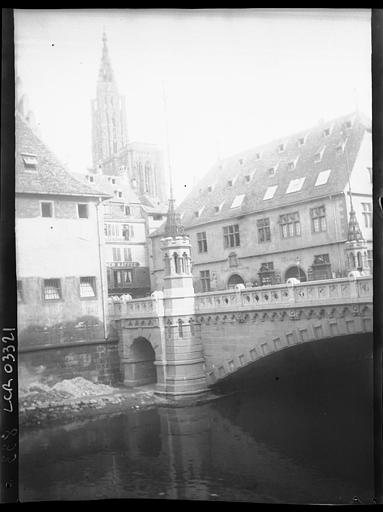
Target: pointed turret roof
x=354, y=233
x=106, y=73
x=173, y=224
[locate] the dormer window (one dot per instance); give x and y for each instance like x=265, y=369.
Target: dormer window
x=217, y=209
x=295, y=185
x=281, y=148
x=241, y=161
x=249, y=177
x=301, y=141
x=269, y=194
x=318, y=156
x=210, y=188
x=326, y=132
x=30, y=161
x=238, y=200
x=257, y=156
x=347, y=124
x=292, y=164
x=198, y=213
x=230, y=183
x=340, y=147
x=322, y=178
x=271, y=171
x=113, y=181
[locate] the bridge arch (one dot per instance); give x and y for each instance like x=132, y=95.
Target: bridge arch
x=234, y=279
x=141, y=367
x=297, y=272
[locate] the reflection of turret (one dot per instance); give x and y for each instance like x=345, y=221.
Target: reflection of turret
x=185, y=435
x=356, y=247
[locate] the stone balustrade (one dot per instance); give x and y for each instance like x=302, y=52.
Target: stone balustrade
x=330, y=291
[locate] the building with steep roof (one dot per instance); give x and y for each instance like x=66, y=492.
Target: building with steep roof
x=61, y=281
x=280, y=210
x=127, y=224
x=113, y=154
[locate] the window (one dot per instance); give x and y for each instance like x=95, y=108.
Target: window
x=241, y=161
x=157, y=217
x=318, y=219
x=82, y=210
x=117, y=278
x=46, y=209
x=323, y=177
x=202, y=241
x=52, y=289
x=270, y=191
x=301, y=141
x=231, y=182
x=340, y=147
x=321, y=259
x=113, y=181
x=370, y=261
x=127, y=231
x=290, y=166
x=318, y=156
x=369, y=170
x=248, y=178
x=367, y=214
x=295, y=185
x=257, y=156
x=127, y=276
x=326, y=132
x=347, y=124
x=91, y=179
x=281, y=148
x=290, y=225
x=119, y=193
x=271, y=171
x=116, y=251
x=127, y=210
x=20, y=295
x=205, y=280
x=231, y=236
x=237, y=201
x=87, y=286
x=210, y=188
x=219, y=208
x=112, y=231
x=264, y=234
x=30, y=161
x=127, y=254
x=147, y=176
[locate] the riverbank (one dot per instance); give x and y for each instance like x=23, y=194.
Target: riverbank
x=78, y=398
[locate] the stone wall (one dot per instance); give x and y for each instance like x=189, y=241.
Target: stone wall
x=97, y=361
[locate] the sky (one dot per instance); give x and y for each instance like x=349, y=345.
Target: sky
x=233, y=79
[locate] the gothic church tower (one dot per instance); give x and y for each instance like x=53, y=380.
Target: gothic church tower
x=109, y=134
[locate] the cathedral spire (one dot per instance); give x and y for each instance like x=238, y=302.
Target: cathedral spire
x=105, y=73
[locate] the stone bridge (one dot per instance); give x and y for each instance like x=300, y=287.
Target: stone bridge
x=187, y=343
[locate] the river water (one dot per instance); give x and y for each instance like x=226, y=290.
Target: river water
x=284, y=437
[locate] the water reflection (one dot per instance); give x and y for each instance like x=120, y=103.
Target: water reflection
x=304, y=440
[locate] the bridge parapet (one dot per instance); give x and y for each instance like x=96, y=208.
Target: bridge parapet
x=332, y=291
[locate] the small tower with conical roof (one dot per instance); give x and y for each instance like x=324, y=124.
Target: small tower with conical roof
x=356, y=246
x=182, y=357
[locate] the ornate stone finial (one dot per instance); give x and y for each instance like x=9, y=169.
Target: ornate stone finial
x=354, y=232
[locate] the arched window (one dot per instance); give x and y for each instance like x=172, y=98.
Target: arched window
x=180, y=328
x=176, y=263
x=186, y=263
x=359, y=256
x=167, y=264
x=234, y=279
x=352, y=260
